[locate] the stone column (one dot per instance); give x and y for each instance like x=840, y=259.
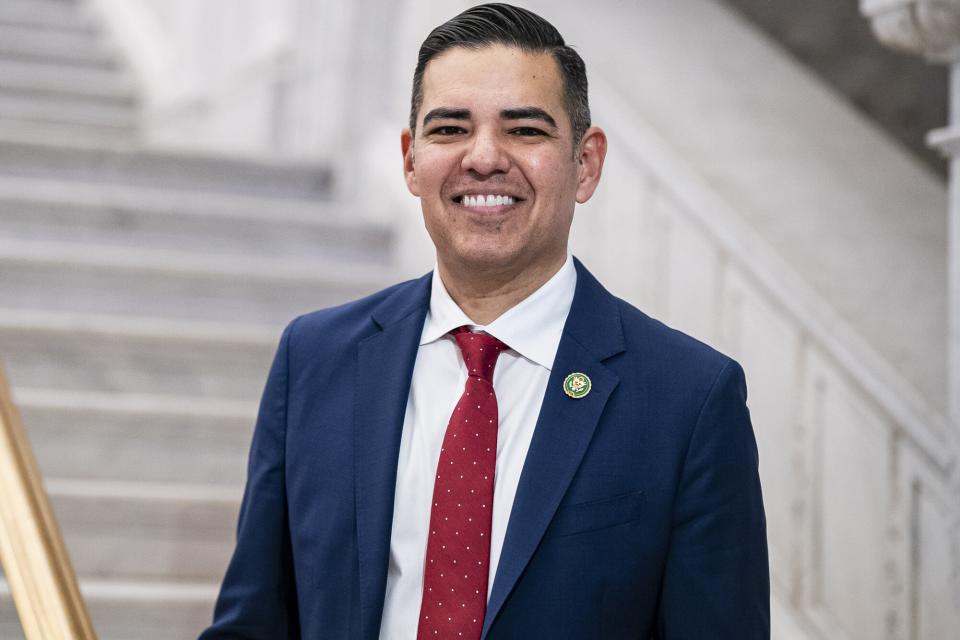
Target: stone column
x=931, y=28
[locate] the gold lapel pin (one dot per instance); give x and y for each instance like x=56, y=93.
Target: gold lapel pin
x=577, y=385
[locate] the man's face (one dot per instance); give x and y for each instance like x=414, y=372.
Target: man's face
x=493, y=160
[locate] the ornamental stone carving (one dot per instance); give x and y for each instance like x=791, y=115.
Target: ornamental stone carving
x=927, y=27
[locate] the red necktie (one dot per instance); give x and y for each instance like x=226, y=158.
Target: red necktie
x=458, y=544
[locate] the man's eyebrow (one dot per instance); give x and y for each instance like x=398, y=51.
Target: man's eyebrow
x=528, y=113
x=446, y=113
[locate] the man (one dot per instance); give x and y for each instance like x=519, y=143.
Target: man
x=500, y=449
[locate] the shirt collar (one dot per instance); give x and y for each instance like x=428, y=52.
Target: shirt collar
x=532, y=327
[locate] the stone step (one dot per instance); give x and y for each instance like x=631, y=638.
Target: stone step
x=128, y=610
x=138, y=437
x=65, y=110
x=68, y=48
x=38, y=156
x=45, y=15
x=77, y=352
x=215, y=224
x=146, y=531
x=22, y=78
x=65, y=131
x=74, y=277
x=70, y=130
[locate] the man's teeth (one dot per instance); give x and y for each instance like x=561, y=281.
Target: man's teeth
x=487, y=201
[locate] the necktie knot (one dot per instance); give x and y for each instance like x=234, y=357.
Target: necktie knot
x=480, y=352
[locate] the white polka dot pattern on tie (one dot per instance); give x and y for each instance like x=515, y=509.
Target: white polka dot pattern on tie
x=460, y=519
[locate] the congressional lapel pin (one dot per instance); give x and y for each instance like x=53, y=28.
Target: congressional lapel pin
x=577, y=385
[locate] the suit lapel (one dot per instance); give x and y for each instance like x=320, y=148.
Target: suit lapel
x=385, y=363
x=564, y=429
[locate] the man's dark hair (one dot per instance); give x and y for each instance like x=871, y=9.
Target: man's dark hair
x=497, y=23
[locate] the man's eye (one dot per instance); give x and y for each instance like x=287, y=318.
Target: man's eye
x=527, y=131
x=447, y=131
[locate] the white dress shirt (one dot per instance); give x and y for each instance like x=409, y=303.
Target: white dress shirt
x=532, y=330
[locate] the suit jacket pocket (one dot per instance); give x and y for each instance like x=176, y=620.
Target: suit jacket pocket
x=595, y=514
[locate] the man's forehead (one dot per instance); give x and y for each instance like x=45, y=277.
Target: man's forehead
x=499, y=75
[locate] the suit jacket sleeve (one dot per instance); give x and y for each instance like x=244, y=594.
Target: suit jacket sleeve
x=258, y=596
x=716, y=579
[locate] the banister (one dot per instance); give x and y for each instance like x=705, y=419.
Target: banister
x=916, y=447
x=930, y=429
x=34, y=558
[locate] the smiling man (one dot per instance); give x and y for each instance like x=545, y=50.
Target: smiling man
x=503, y=449
x=498, y=167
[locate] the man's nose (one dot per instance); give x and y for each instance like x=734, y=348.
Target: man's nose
x=485, y=154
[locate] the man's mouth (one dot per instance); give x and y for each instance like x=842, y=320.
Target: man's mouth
x=481, y=200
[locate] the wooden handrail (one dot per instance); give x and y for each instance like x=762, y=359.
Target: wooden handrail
x=35, y=560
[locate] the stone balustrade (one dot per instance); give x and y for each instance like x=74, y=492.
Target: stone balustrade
x=861, y=478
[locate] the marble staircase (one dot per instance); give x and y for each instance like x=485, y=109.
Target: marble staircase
x=142, y=293
x=58, y=75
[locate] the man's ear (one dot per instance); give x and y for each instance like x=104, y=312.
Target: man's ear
x=592, y=151
x=409, y=170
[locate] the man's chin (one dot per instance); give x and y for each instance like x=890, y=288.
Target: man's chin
x=484, y=259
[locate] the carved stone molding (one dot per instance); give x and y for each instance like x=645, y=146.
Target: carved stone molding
x=930, y=28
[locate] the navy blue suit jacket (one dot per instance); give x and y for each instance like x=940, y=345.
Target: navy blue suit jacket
x=638, y=514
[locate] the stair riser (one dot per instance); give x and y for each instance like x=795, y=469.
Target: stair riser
x=80, y=112
x=120, y=225
x=120, y=620
x=124, y=620
x=104, y=136
x=71, y=49
x=121, y=538
x=134, y=365
x=166, y=294
x=139, y=447
x=68, y=108
x=164, y=170
x=63, y=82
x=45, y=16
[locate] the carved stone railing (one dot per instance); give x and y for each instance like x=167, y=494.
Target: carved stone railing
x=931, y=28
x=861, y=477
x=34, y=558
